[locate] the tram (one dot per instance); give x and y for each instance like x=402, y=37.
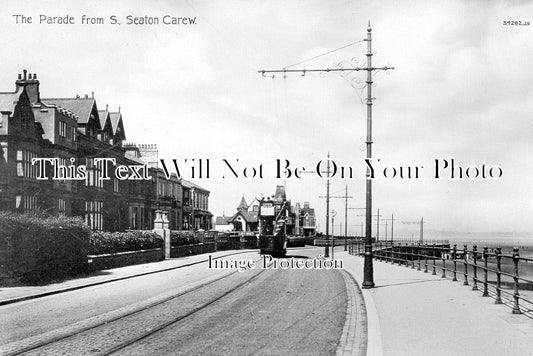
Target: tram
x=272, y=227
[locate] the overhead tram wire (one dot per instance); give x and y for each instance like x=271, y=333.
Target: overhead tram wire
x=324, y=54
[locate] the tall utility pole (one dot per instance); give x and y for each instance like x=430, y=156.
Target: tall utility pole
x=326, y=251
x=421, y=223
x=345, y=196
x=392, y=228
x=377, y=227
x=368, y=278
x=346, y=220
x=368, y=272
x=378, y=215
x=333, y=214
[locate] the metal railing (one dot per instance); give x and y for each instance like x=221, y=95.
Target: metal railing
x=499, y=273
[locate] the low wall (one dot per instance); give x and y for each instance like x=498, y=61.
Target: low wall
x=189, y=250
x=121, y=259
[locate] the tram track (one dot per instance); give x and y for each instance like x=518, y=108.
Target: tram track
x=176, y=320
x=74, y=288
x=41, y=343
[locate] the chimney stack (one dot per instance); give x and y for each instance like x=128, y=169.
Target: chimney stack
x=31, y=84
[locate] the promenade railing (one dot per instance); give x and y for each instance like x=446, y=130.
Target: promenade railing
x=500, y=273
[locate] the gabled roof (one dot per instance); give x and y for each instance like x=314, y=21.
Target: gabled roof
x=222, y=220
x=103, y=115
x=116, y=123
x=82, y=107
x=310, y=211
x=249, y=217
x=187, y=184
x=8, y=101
x=243, y=205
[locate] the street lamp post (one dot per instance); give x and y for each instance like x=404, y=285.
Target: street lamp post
x=368, y=269
x=368, y=272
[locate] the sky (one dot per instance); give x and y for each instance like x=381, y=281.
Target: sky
x=460, y=89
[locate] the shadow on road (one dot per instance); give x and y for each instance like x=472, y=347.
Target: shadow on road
x=412, y=282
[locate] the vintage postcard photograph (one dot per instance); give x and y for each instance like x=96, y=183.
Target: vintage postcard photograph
x=303, y=177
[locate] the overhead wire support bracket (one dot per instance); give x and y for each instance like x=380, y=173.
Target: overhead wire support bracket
x=368, y=271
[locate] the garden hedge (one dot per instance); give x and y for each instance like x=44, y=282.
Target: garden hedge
x=38, y=249
x=134, y=240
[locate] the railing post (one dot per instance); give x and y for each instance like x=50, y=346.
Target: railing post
x=426, y=258
x=454, y=255
x=418, y=256
x=474, y=254
x=465, y=272
x=399, y=254
x=486, y=277
x=443, y=261
x=434, y=260
x=498, y=276
x=516, y=295
x=412, y=256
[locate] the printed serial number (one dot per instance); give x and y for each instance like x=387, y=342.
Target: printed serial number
x=515, y=23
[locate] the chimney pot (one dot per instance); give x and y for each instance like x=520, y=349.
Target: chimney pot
x=29, y=76
x=106, y=107
x=25, y=72
x=20, y=76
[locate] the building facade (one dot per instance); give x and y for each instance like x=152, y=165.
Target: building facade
x=71, y=133
x=300, y=221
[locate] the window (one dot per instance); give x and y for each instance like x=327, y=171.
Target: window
x=133, y=224
x=26, y=202
x=24, y=166
x=93, y=214
x=61, y=206
x=93, y=175
x=62, y=129
x=73, y=134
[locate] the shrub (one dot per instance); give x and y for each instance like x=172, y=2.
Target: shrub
x=36, y=248
x=134, y=240
x=180, y=238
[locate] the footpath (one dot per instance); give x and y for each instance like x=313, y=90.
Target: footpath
x=17, y=294
x=408, y=312
x=412, y=313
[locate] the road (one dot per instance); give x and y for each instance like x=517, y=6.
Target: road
x=191, y=310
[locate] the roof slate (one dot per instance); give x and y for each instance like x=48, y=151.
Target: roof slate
x=103, y=115
x=250, y=217
x=80, y=106
x=222, y=220
x=242, y=205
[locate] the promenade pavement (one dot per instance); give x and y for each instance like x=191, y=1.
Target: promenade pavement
x=415, y=313
x=409, y=312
